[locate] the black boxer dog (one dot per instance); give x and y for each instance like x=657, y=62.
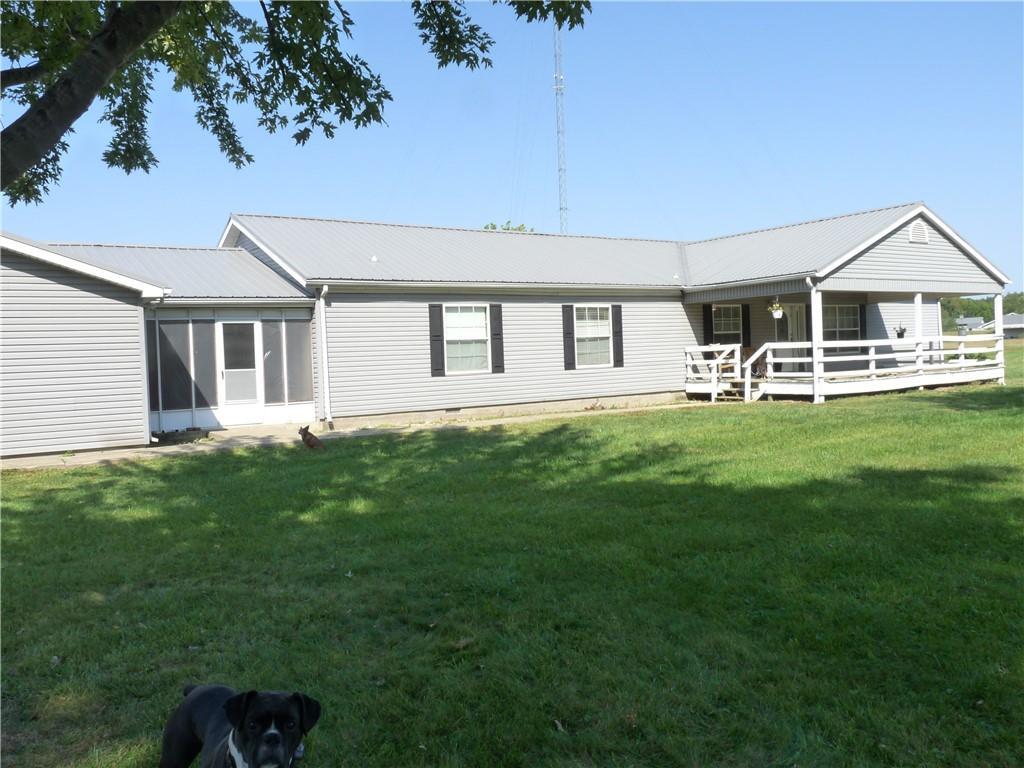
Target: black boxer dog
x=228, y=729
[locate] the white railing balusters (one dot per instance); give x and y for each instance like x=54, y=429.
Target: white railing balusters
x=701, y=369
x=908, y=357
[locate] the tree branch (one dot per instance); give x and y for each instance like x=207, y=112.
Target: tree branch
x=29, y=138
x=21, y=75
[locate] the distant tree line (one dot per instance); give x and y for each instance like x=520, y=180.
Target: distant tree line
x=954, y=308
x=508, y=226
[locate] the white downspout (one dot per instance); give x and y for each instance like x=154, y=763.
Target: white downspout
x=325, y=377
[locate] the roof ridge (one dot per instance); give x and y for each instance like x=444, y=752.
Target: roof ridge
x=153, y=247
x=804, y=223
x=457, y=229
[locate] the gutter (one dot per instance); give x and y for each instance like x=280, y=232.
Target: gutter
x=751, y=281
x=203, y=301
x=441, y=285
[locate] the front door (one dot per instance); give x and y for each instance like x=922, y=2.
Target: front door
x=792, y=326
x=241, y=372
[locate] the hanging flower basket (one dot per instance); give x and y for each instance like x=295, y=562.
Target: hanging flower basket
x=776, y=309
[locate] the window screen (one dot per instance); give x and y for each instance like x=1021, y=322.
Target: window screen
x=593, y=336
x=728, y=323
x=841, y=322
x=175, y=382
x=204, y=363
x=152, y=374
x=465, y=338
x=300, y=361
x=273, y=362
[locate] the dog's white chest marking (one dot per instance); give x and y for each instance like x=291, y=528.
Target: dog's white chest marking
x=236, y=756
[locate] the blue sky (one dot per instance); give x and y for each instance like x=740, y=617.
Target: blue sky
x=683, y=121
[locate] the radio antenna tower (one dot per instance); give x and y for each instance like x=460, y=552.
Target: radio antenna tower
x=563, y=200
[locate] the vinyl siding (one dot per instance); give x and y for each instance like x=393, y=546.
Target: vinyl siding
x=379, y=353
x=72, y=361
x=896, y=264
x=888, y=311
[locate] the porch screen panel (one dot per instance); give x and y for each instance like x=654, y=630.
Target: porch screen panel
x=300, y=361
x=152, y=373
x=273, y=362
x=204, y=363
x=175, y=381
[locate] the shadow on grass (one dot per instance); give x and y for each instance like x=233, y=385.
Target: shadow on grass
x=449, y=594
x=987, y=397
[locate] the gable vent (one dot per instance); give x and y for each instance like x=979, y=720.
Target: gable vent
x=918, y=232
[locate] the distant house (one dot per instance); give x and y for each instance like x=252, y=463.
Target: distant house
x=965, y=325
x=1013, y=325
x=301, y=319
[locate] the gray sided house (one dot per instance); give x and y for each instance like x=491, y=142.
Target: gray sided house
x=1013, y=326
x=298, y=319
x=967, y=324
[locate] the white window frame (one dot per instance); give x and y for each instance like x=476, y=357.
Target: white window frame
x=575, y=336
x=836, y=329
x=714, y=333
x=487, y=333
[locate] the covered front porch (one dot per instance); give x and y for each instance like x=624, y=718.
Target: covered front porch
x=819, y=343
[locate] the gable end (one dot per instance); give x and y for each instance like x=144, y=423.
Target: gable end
x=916, y=257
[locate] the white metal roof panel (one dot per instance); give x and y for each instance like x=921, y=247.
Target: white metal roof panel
x=790, y=250
x=329, y=249
x=188, y=272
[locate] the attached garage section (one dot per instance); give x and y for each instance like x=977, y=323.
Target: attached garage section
x=72, y=359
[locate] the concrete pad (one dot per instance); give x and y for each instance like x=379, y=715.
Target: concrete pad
x=287, y=434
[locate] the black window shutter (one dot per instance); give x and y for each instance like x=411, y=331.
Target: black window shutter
x=436, y=340
x=807, y=321
x=745, y=313
x=569, y=337
x=497, y=340
x=617, y=335
x=709, y=325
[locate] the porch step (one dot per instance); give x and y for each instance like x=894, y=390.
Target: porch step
x=733, y=391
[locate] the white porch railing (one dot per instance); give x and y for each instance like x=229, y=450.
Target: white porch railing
x=712, y=363
x=867, y=365
x=905, y=357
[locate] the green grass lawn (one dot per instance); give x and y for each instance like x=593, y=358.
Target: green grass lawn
x=768, y=585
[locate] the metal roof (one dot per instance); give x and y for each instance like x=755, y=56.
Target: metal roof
x=43, y=252
x=796, y=249
x=188, y=272
x=330, y=249
x=1010, y=320
x=335, y=249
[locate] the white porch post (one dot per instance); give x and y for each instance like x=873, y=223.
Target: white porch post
x=997, y=328
x=919, y=333
x=817, y=366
